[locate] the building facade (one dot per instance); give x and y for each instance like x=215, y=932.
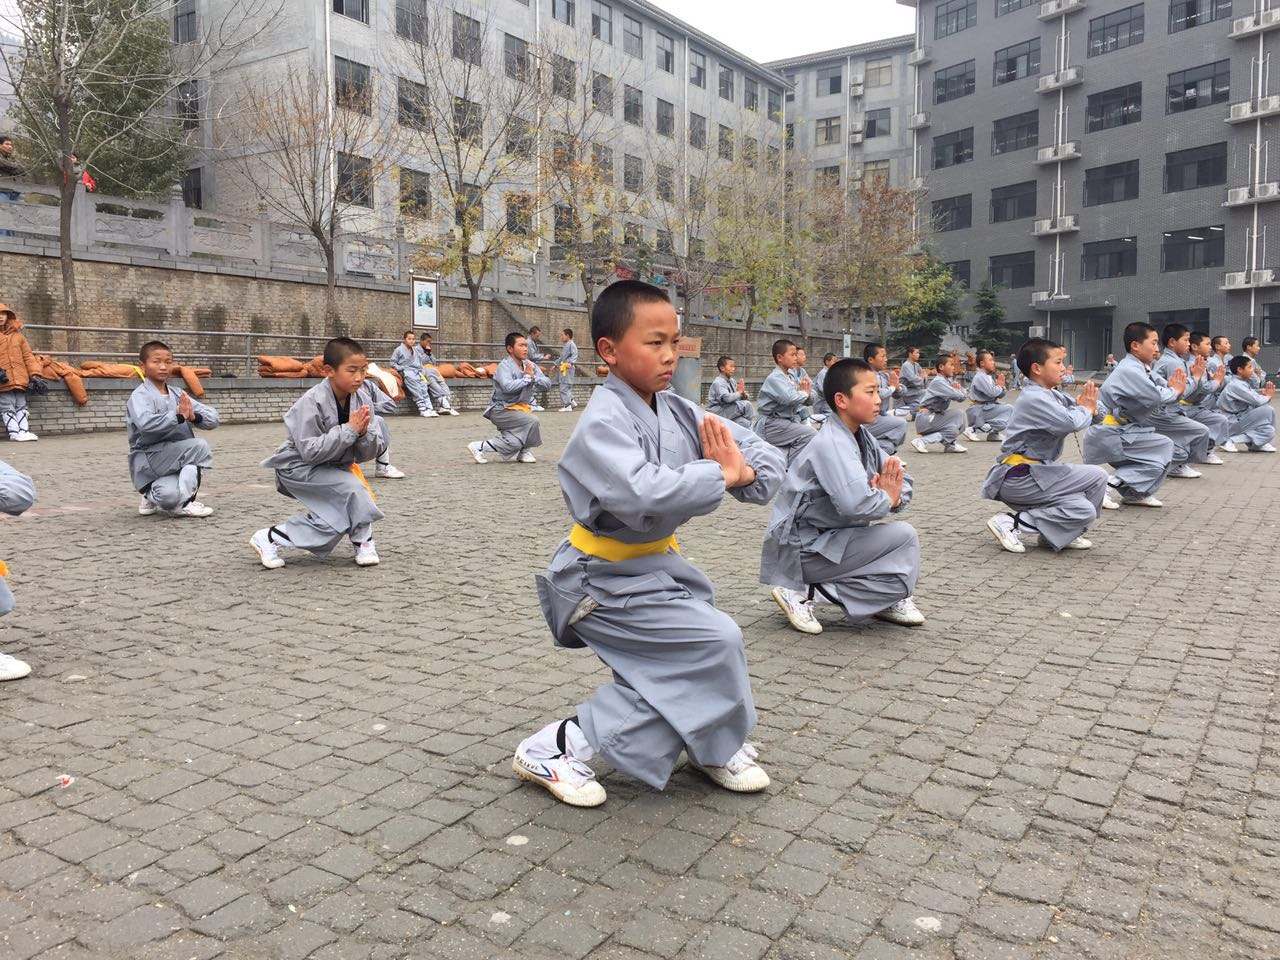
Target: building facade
x=1104, y=161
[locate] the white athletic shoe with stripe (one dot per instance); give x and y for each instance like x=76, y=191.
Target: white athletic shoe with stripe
x=569, y=781
x=740, y=773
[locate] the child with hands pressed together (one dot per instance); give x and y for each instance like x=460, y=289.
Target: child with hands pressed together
x=726, y=397
x=1251, y=420
x=936, y=421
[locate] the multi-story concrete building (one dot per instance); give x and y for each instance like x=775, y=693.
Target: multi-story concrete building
x=1105, y=161
x=848, y=110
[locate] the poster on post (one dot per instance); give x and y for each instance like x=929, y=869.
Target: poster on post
x=425, y=302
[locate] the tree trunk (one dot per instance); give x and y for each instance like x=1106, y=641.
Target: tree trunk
x=332, y=319
x=473, y=287
x=70, y=300
x=746, y=334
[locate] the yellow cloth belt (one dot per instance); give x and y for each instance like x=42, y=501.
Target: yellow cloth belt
x=564, y=369
x=359, y=475
x=522, y=407
x=1017, y=460
x=1186, y=403
x=1111, y=421
x=615, y=551
x=4, y=569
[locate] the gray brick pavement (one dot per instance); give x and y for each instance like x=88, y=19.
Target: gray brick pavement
x=1076, y=757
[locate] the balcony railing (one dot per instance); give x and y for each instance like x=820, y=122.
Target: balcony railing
x=1255, y=109
x=1250, y=280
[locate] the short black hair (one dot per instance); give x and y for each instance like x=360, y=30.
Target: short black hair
x=1172, y=332
x=780, y=347
x=1214, y=342
x=151, y=346
x=5, y=138
x=535, y=329
x=870, y=350
x=1198, y=338
x=1035, y=350
x=1238, y=363
x=1137, y=332
x=407, y=332
x=615, y=308
x=912, y=349
x=941, y=358
x=977, y=357
x=1248, y=342
x=339, y=348
x=828, y=356
x=512, y=337
x=841, y=377
x=568, y=332
x=721, y=361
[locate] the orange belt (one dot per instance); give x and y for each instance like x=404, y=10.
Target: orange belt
x=4, y=569
x=359, y=474
x=522, y=407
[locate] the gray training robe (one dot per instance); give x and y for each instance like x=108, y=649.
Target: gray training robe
x=934, y=421
x=824, y=527
x=565, y=372
x=517, y=430
x=911, y=384
x=988, y=414
x=165, y=456
x=1057, y=500
x=1175, y=420
x=17, y=495
x=780, y=406
x=1140, y=455
x=890, y=431
x=1250, y=417
x=418, y=380
x=1259, y=378
x=679, y=668
x=819, y=398
x=313, y=466
x=724, y=400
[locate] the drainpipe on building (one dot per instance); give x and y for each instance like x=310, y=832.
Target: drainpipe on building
x=331, y=161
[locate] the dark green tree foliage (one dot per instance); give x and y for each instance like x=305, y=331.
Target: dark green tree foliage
x=931, y=304
x=990, y=332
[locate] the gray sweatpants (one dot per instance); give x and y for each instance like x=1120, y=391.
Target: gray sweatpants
x=1255, y=427
x=438, y=390
x=565, y=383
x=989, y=417
x=1215, y=420
x=890, y=432
x=1140, y=456
x=1060, y=500
x=517, y=431
x=879, y=567
x=1191, y=440
x=939, y=427
x=178, y=465
x=416, y=387
x=787, y=435
x=338, y=505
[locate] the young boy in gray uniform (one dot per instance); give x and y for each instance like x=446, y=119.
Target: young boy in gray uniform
x=407, y=360
x=1197, y=434
x=935, y=421
x=565, y=369
x=17, y=495
x=782, y=403
x=1251, y=347
x=987, y=417
x=727, y=398
x=1251, y=420
x=1139, y=454
x=536, y=356
x=511, y=406
x=911, y=382
x=825, y=535
x=1054, y=503
x=166, y=459
x=330, y=431
x=889, y=430
x=1219, y=356
x=820, y=409
x=641, y=462
x=439, y=391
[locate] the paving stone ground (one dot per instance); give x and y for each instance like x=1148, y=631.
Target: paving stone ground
x=1076, y=758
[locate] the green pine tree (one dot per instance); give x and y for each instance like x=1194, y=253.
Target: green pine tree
x=990, y=332
x=931, y=305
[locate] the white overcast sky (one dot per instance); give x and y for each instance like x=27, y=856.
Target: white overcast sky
x=771, y=30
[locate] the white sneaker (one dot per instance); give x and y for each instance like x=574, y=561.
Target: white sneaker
x=1108, y=503
x=918, y=444
x=972, y=434
x=569, y=781
x=193, y=509
x=388, y=471
x=11, y=668
x=367, y=554
x=526, y=456
x=797, y=609
x=536, y=407
x=904, y=613
x=741, y=773
x=1267, y=448
x=268, y=553
x=1213, y=459
x=1079, y=543
x=1005, y=531
x=449, y=411
x=1184, y=471
x=146, y=508
x=430, y=413
x=475, y=446
x=954, y=447
x=565, y=410
x=1137, y=501
x=1229, y=446
x=25, y=436
x=998, y=437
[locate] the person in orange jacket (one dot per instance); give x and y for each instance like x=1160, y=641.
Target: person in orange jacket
x=19, y=375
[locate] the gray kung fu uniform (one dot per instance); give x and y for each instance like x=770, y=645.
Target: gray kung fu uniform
x=988, y=414
x=1140, y=455
x=890, y=431
x=1259, y=378
x=798, y=376
x=517, y=430
x=636, y=474
x=1058, y=500
x=911, y=384
x=1191, y=405
x=1212, y=366
x=825, y=530
x=565, y=371
x=780, y=406
x=17, y=495
x=934, y=421
x=1250, y=416
x=165, y=455
x=536, y=356
x=440, y=393
x=313, y=466
x=410, y=365
x=819, y=398
x=724, y=400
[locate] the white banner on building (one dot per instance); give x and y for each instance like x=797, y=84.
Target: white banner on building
x=425, y=302
x=848, y=344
